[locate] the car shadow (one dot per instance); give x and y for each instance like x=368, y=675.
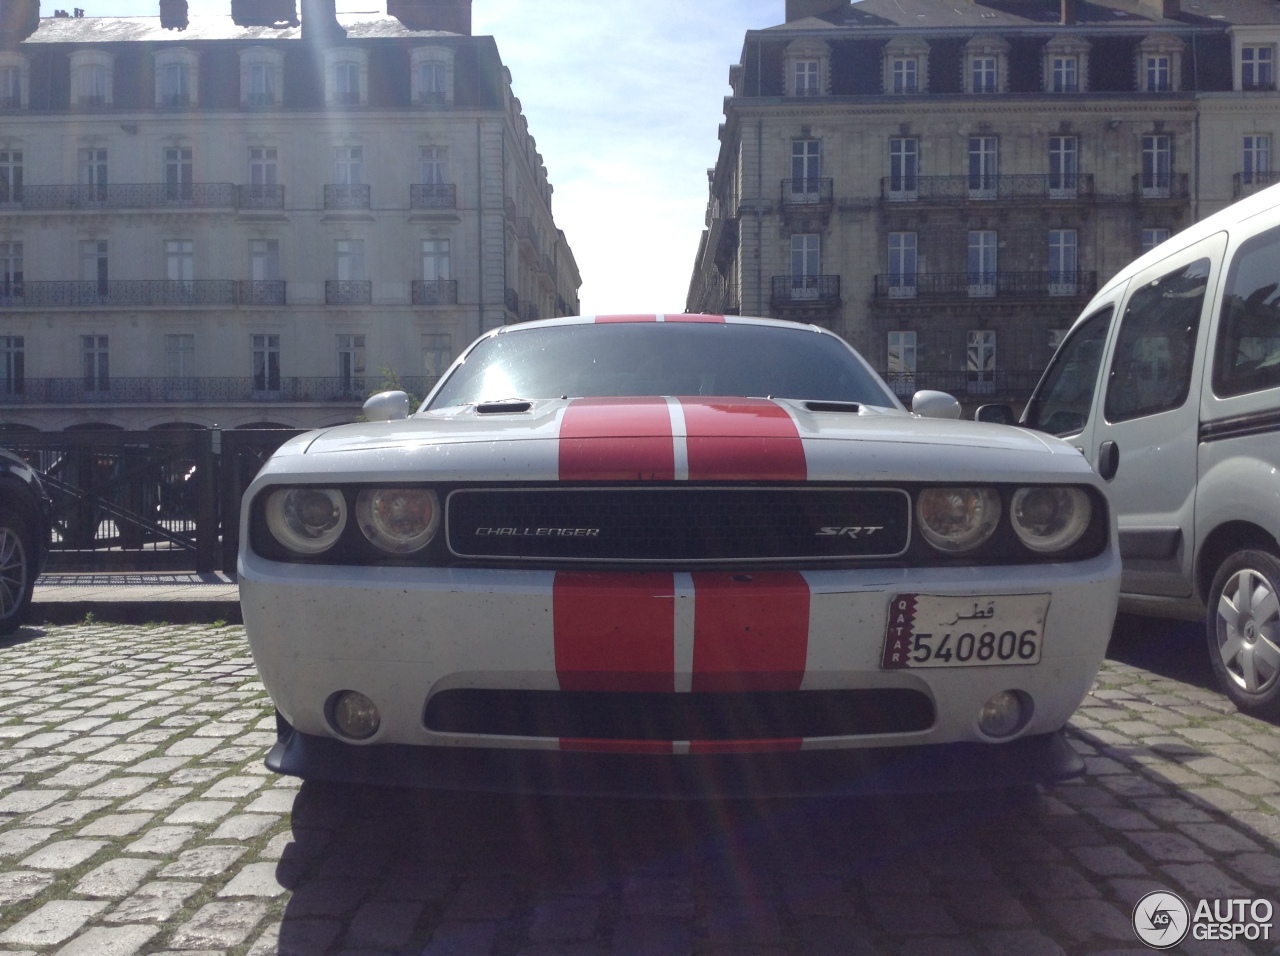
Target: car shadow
x=1172, y=649
x=23, y=635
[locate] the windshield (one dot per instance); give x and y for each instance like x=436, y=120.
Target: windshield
x=661, y=358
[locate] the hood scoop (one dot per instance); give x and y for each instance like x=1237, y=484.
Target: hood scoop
x=505, y=407
x=848, y=408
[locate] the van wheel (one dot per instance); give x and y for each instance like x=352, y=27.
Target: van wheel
x=1243, y=626
x=17, y=572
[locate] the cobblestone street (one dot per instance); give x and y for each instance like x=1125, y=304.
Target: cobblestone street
x=136, y=817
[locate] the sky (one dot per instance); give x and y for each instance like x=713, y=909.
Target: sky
x=623, y=98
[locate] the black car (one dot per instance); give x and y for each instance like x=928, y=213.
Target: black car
x=24, y=537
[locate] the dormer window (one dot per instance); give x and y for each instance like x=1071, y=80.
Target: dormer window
x=176, y=79
x=432, y=76
x=983, y=73
x=346, y=78
x=91, y=79
x=346, y=83
x=985, y=65
x=806, y=67
x=1065, y=75
x=13, y=81
x=1159, y=79
x=1257, y=67
x=906, y=74
x=1066, y=64
x=1160, y=64
x=261, y=77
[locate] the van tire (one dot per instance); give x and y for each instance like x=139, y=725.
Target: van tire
x=1243, y=628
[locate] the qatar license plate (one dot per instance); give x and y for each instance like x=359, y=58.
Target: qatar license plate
x=933, y=630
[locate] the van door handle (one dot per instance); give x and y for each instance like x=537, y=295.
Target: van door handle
x=1108, y=460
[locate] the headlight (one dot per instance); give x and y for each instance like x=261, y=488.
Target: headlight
x=307, y=520
x=1050, y=517
x=399, y=520
x=957, y=519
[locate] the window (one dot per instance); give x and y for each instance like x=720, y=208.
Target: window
x=1256, y=167
x=980, y=362
x=806, y=253
x=348, y=165
x=1061, y=404
x=433, y=165
x=1064, y=167
x=178, y=174
x=10, y=271
x=806, y=168
x=902, y=265
x=180, y=261
x=1062, y=262
x=11, y=87
x=1159, y=73
x=13, y=365
x=179, y=355
x=1065, y=74
x=349, y=259
x=92, y=80
x=262, y=84
x=94, y=362
x=431, y=74
x=92, y=174
x=93, y=266
x=982, y=262
x=983, y=74
x=1157, y=165
x=264, y=260
x=176, y=78
x=437, y=353
x=1257, y=68
x=1152, y=238
x=435, y=259
x=432, y=78
x=263, y=172
x=266, y=363
x=261, y=76
x=1151, y=367
x=904, y=73
x=1247, y=353
x=806, y=78
x=902, y=362
x=351, y=363
x=904, y=167
x=10, y=175
x=984, y=167
x=346, y=83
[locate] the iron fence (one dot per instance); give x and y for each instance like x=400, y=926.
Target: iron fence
x=118, y=292
x=985, y=188
x=125, y=196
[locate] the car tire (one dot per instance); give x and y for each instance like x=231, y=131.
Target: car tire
x=1243, y=625
x=17, y=570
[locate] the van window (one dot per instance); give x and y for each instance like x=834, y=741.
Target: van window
x=1247, y=356
x=1061, y=405
x=1155, y=349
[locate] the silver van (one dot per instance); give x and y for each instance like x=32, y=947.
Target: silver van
x=1169, y=382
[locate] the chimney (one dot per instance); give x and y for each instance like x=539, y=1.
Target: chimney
x=18, y=20
x=1070, y=12
x=320, y=20
x=799, y=9
x=448, y=16
x=263, y=13
x=1167, y=9
x=173, y=14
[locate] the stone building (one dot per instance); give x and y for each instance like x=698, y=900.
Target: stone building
x=259, y=217
x=947, y=182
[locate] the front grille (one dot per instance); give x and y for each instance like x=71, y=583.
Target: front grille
x=678, y=524
x=756, y=715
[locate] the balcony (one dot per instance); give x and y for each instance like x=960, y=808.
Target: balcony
x=963, y=189
x=348, y=291
x=807, y=198
x=1245, y=184
x=1173, y=187
x=201, y=390
x=434, y=291
x=816, y=291
x=261, y=291
x=943, y=285
x=260, y=196
x=433, y=196
x=119, y=292
x=126, y=196
x=346, y=196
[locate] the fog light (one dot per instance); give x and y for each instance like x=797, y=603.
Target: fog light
x=353, y=715
x=1004, y=714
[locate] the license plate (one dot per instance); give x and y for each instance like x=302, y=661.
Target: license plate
x=933, y=630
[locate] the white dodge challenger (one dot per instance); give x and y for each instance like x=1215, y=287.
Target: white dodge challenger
x=675, y=554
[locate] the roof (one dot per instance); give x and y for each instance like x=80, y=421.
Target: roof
x=359, y=26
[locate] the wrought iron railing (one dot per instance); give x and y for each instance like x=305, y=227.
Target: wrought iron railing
x=201, y=390
x=346, y=196
x=1242, y=184
x=433, y=195
x=124, y=196
x=348, y=291
x=900, y=286
x=1175, y=186
x=816, y=290
x=118, y=292
x=262, y=291
x=806, y=192
x=434, y=291
x=1049, y=186
x=260, y=196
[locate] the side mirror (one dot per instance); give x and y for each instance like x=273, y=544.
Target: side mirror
x=387, y=407
x=998, y=413
x=930, y=404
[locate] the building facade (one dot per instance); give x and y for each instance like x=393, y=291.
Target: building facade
x=948, y=183
x=260, y=217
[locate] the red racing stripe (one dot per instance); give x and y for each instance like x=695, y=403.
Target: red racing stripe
x=600, y=746
x=617, y=439
x=712, y=319
x=606, y=319
x=614, y=632
x=749, y=439
x=750, y=631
